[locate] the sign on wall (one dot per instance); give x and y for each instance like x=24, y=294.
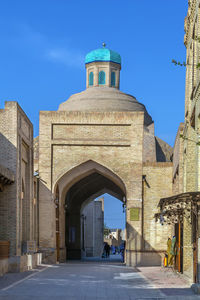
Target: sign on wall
x=134, y=214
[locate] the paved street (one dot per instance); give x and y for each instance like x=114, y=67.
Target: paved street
x=90, y=281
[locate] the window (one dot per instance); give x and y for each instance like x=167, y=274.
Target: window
x=102, y=77
x=113, y=79
x=91, y=78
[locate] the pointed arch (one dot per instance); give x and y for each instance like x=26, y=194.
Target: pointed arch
x=78, y=186
x=69, y=178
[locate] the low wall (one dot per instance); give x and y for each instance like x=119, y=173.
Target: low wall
x=144, y=258
x=49, y=255
x=20, y=263
x=62, y=258
x=3, y=266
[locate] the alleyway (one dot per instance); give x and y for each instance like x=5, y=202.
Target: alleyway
x=90, y=281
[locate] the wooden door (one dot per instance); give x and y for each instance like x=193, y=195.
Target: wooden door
x=194, y=242
x=179, y=247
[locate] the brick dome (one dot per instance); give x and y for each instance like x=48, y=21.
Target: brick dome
x=104, y=99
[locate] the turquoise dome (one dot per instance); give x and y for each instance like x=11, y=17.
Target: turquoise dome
x=103, y=54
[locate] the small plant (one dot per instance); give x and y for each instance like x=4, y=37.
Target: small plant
x=183, y=64
x=178, y=63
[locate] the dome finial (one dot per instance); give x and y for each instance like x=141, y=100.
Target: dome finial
x=104, y=45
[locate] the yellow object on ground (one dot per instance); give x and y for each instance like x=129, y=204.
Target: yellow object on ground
x=170, y=256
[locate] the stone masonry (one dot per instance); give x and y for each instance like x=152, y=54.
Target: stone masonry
x=102, y=140
x=16, y=154
x=17, y=224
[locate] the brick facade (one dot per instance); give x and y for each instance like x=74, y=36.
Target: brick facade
x=16, y=154
x=115, y=141
x=80, y=154
x=191, y=162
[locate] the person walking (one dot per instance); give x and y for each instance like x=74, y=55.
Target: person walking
x=122, y=249
x=107, y=249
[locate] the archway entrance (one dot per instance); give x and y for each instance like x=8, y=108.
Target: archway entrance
x=83, y=191
x=76, y=193
x=103, y=232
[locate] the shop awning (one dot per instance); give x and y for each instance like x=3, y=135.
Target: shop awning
x=172, y=209
x=194, y=196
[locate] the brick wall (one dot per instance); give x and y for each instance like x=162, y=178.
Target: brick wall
x=178, y=168
x=15, y=131
x=118, y=146
x=158, y=185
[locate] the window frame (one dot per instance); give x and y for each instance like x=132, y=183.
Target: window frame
x=91, y=78
x=102, y=77
x=113, y=79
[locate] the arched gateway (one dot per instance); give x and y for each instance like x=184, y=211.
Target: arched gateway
x=77, y=188
x=101, y=140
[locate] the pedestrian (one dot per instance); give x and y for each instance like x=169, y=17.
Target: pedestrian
x=107, y=249
x=122, y=249
x=104, y=251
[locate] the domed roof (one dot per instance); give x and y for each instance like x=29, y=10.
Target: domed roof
x=104, y=99
x=103, y=54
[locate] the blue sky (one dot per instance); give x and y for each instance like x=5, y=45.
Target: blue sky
x=44, y=42
x=114, y=217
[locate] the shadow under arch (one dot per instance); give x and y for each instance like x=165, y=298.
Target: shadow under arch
x=69, y=178
x=78, y=187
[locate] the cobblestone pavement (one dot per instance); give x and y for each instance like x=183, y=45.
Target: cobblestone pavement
x=94, y=280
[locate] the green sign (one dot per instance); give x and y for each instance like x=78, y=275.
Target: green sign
x=134, y=214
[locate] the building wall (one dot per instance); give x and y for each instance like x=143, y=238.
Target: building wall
x=107, y=67
x=116, y=143
x=93, y=215
x=192, y=98
x=16, y=154
x=114, y=238
x=191, y=132
x=35, y=153
x=89, y=230
x=149, y=145
x=35, y=214
x=157, y=185
x=184, y=177
x=186, y=164
x=178, y=168
x=99, y=227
